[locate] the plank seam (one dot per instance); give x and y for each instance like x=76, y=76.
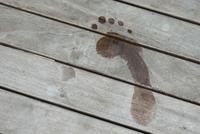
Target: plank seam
x=104, y=75
x=73, y=110
x=160, y=12
x=182, y=57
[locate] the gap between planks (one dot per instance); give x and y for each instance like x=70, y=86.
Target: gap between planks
x=75, y=91
x=182, y=57
x=102, y=74
x=73, y=109
x=55, y=60
x=160, y=12
x=93, y=70
x=68, y=110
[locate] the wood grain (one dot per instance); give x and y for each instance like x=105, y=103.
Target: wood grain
x=80, y=48
x=106, y=98
x=184, y=9
x=21, y=115
x=148, y=28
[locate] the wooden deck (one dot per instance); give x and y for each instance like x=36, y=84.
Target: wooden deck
x=100, y=66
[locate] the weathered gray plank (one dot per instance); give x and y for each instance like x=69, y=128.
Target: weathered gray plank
x=78, y=47
x=20, y=115
x=149, y=28
x=97, y=95
x=186, y=9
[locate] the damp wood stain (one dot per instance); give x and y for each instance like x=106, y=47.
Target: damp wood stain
x=143, y=101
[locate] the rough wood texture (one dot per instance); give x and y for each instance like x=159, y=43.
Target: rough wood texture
x=186, y=9
x=82, y=48
x=100, y=96
x=20, y=115
x=148, y=28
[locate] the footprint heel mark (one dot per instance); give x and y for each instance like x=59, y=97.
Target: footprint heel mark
x=143, y=101
x=142, y=108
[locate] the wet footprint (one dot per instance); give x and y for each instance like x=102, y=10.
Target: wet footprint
x=142, y=107
x=143, y=101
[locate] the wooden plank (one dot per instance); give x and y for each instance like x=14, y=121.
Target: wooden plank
x=78, y=47
x=183, y=9
x=21, y=115
x=96, y=95
x=148, y=28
